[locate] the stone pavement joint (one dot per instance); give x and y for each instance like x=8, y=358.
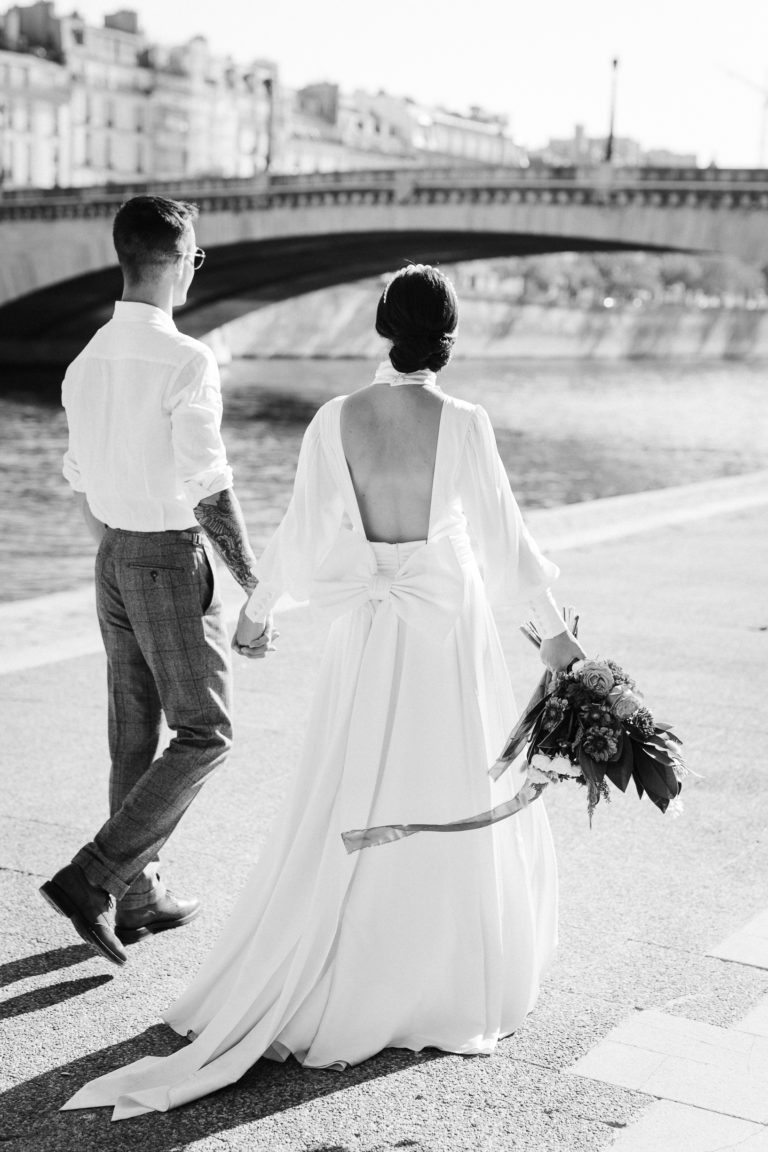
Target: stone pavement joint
x=671, y=1127
x=749, y=945
x=717, y=1070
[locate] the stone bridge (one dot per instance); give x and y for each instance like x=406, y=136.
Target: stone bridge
x=277, y=237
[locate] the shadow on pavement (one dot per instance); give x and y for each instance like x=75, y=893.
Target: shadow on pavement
x=343, y=1147
x=42, y=962
x=51, y=994
x=29, y=1116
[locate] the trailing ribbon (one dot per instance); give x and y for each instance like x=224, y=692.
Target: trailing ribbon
x=359, y=838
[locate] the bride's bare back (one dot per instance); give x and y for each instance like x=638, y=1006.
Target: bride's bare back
x=389, y=436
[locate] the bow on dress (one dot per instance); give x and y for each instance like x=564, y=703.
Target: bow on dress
x=427, y=591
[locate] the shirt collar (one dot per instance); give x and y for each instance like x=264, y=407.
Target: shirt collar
x=146, y=313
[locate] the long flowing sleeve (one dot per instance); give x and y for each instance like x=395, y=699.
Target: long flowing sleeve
x=306, y=532
x=514, y=569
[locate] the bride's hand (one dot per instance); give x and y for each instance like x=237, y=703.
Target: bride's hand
x=254, y=638
x=558, y=651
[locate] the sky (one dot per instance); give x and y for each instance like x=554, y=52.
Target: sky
x=692, y=74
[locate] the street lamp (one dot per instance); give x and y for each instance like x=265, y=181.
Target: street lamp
x=269, y=89
x=609, y=141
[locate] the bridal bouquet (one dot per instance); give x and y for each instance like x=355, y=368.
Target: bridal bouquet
x=590, y=724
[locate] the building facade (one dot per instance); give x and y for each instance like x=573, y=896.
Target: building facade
x=35, y=121
x=82, y=105
x=326, y=129
x=581, y=150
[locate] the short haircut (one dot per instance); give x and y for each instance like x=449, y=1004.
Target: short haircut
x=147, y=233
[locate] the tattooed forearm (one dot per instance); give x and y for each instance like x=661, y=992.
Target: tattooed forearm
x=222, y=518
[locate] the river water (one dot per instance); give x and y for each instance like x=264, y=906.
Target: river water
x=567, y=431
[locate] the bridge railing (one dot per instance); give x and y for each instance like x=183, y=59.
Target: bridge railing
x=600, y=186
x=467, y=174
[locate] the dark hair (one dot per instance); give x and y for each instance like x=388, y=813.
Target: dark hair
x=147, y=232
x=418, y=311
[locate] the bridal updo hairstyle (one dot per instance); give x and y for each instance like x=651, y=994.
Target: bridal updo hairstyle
x=418, y=311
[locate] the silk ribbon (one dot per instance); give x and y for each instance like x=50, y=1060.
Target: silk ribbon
x=358, y=838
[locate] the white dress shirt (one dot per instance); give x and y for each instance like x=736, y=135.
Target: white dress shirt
x=143, y=404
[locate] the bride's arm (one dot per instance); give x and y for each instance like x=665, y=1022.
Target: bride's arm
x=288, y=562
x=514, y=570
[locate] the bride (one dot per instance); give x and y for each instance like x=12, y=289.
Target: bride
x=401, y=532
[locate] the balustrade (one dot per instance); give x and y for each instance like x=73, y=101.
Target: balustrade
x=619, y=188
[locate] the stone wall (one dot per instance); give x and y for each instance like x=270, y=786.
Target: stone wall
x=338, y=322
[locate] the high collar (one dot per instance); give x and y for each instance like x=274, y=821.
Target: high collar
x=386, y=374
x=133, y=310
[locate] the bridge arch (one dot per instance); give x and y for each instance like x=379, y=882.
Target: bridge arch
x=292, y=235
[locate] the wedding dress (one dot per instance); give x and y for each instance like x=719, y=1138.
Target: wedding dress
x=437, y=940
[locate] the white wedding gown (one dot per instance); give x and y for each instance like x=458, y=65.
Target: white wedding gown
x=434, y=941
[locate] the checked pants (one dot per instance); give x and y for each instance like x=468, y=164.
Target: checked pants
x=167, y=653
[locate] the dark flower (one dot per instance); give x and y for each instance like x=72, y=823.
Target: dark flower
x=641, y=722
x=595, y=716
x=576, y=693
x=553, y=712
x=600, y=743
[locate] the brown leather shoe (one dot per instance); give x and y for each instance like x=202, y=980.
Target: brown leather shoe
x=90, y=909
x=168, y=912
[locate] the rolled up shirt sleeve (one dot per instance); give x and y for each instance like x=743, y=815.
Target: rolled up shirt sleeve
x=198, y=449
x=70, y=466
x=71, y=471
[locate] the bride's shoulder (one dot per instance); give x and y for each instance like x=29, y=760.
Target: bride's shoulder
x=465, y=411
x=327, y=411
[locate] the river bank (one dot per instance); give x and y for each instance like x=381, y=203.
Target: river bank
x=337, y=323
x=568, y=431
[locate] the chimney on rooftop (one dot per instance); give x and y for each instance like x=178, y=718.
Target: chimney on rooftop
x=126, y=20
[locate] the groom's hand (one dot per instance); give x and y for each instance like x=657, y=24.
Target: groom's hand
x=254, y=638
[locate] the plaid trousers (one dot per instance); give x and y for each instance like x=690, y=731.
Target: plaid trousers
x=167, y=651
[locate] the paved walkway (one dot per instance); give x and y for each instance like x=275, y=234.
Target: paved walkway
x=651, y=1032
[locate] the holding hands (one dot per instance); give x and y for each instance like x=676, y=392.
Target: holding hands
x=254, y=638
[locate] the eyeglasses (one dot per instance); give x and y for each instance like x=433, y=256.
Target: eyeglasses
x=197, y=257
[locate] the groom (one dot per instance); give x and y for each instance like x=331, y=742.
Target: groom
x=149, y=470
